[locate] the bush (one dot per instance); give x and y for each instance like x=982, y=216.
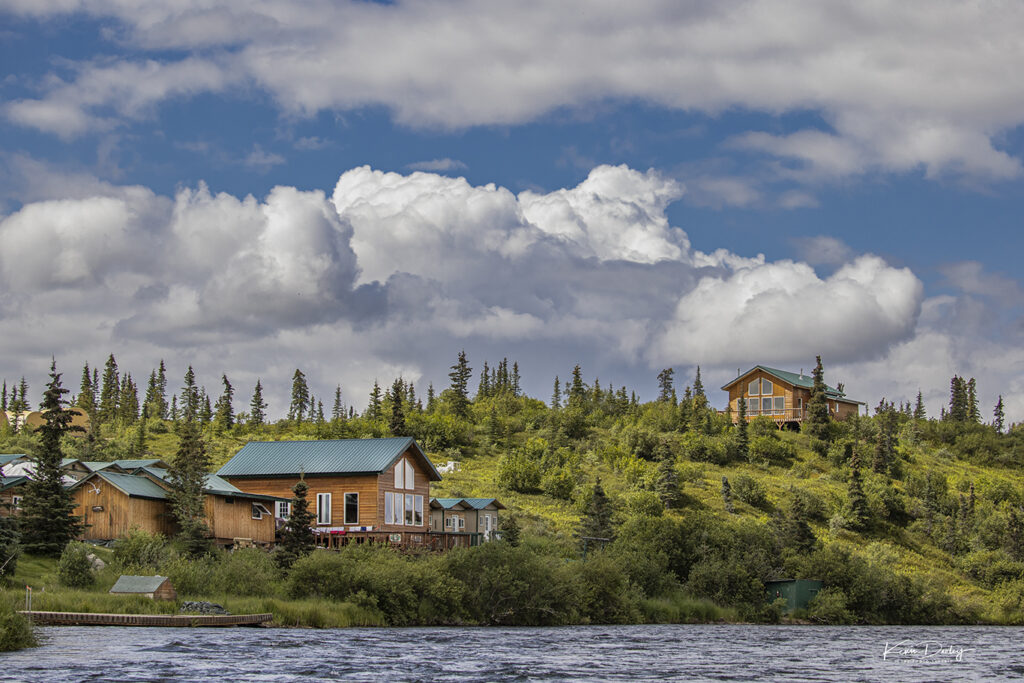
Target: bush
x=192, y=577
x=700, y=448
x=559, y=483
x=140, y=550
x=518, y=472
x=246, y=572
x=9, y=548
x=770, y=450
x=763, y=426
x=15, y=631
x=749, y=490
x=829, y=607
x=74, y=569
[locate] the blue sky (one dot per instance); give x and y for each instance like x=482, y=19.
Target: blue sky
x=664, y=184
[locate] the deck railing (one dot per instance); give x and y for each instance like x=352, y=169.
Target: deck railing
x=780, y=415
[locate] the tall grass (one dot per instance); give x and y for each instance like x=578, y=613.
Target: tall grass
x=15, y=630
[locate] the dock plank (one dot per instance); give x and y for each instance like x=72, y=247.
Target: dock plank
x=180, y=620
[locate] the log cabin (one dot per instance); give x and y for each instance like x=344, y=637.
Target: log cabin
x=782, y=396
x=363, y=489
x=113, y=503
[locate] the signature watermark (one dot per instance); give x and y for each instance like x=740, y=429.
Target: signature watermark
x=924, y=652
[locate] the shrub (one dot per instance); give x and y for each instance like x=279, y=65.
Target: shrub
x=15, y=631
x=749, y=490
x=829, y=607
x=193, y=577
x=140, y=550
x=9, y=548
x=518, y=472
x=700, y=448
x=763, y=426
x=74, y=569
x=770, y=450
x=247, y=572
x=559, y=483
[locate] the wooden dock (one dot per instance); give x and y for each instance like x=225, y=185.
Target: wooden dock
x=181, y=620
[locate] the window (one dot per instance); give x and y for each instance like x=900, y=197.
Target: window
x=399, y=475
x=418, y=516
x=766, y=387
x=487, y=524
x=258, y=511
x=754, y=388
x=351, y=508
x=408, y=508
x=323, y=508
x=389, y=507
x=462, y=523
x=229, y=500
x=399, y=509
x=284, y=509
x=449, y=522
x=800, y=404
x=16, y=502
x=780, y=403
x=410, y=475
x=766, y=404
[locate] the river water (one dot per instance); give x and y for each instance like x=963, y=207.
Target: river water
x=612, y=653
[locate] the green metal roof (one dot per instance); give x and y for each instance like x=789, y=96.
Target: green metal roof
x=449, y=503
x=138, y=584
x=214, y=485
x=481, y=503
x=804, y=381
x=10, y=457
x=136, y=463
x=11, y=482
x=341, y=456
x=130, y=484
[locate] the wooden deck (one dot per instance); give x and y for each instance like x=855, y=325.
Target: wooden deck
x=182, y=620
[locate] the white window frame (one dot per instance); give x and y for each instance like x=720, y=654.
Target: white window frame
x=399, y=509
x=780, y=408
x=754, y=388
x=389, y=507
x=409, y=509
x=410, y=475
x=449, y=523
x=283, y=509
x=462, y=522
x=417, y=517
x=259, y=510
x=345, y=511
x=768, y=410
x=323, y=504
x=400, y=474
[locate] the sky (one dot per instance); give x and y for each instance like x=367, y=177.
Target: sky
x=362, y=189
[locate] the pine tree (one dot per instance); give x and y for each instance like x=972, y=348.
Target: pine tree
x=128, y=410
x=597, y=520
x=161, y=393
x=225, y=405
x=484, y=390
x=431, y=398
x=338, y=411
x=187, y=476
x=174, y=409
x=919, y=412
x=727, y=495
x=959, y=408
x=556, y=396
x=798, y=532
x=47, y=517
x=86, y=396
x=885, y=439
x=742, y=437
x=205, y=409
x=999, y=416
x=577, y=390
x=109, y=393
x=151, y=402
x=698, y=388
x=668, y=484
x=510, y=530
x=459, y=376
x=515, y=378
x=300, y=397
x=665, y=384
x=410, y=397
x=857, y=513
x=373, y=410
x=297, y=535
x=973, y=414
x=3, y=396
x=257, y=407
x=397, y=421
x=817, y=422
x=320, y=412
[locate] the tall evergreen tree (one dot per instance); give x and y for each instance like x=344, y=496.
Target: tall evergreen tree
x=798, y=532
x=973, y=414
x=597, y=520
x=727, y=495
x=885, y=438
x=3, y=397
x=205, y=409
x=459, y=376
x=817, y=422
x=857, y=513
x=665, y=384
x=86, y=395
x=515, y=378
x=484, y=390
x=128, y=403
x=161, y=391
x=919, y=411
x=297, y=535
x=139, y=448
x=300, y=397
x=338, y=412
x=698, y=387
x=373, y=409
x=959, y=406
x=397, y=421
x=257, y=406
x=999, y=416
x=187, y=475
x=668, y=483
x=151, y=402
x=742, y=436
x=225, y=411
x=431, y=398
x=110, y=391
x=47, y=518
x=556, y=396
x=577, y=390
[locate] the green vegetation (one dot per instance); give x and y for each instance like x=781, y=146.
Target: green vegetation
x=905, y=519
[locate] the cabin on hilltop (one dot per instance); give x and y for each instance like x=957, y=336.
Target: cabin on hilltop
x=783, y=396
x=360, y=490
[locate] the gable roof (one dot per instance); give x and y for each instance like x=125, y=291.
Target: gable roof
x=214, y=485
x=449, y=504
x=138, y=584
x=797, y=380
x=481, y=503
x=129, y=484
x=132, y=464
x=10, y=457
x=340, y=456
x=11, y=482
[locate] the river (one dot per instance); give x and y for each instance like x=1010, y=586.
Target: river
x=612, y=653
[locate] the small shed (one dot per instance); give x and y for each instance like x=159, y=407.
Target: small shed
x=156, y=587
x=796, y=592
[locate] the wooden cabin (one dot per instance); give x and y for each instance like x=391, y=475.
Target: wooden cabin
x=113, y=503
x=783, y=396
x=155, y=587
x=465, y=515
x=356, y=486
x=11, y=491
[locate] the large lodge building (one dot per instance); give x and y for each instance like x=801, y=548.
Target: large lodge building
x=783, y=396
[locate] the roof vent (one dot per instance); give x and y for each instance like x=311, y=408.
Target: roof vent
x=801, y=373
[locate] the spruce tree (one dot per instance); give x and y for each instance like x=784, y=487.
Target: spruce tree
x=3, y=397
x=919, y=412
x=373, y=409
x=205, y=409
x=817, y=422
x=139, y=447
x=257, y=407
x=556, y=395
x=110, y=392
x=999, y=416
x=459, y=376
x=300, y=398
x=225, y=413
x=187, y=475
x=742, y=436
x=577, y=390
x=47, y=518
x=973, y=414
x=484, y=390
x=665, y=384
x=698, y=389
x=959, y=409
x=515, y=378
x=86, y=395
x=396, y=423
x=431, y=398
x=798, y=532
x=857, y=513
x=161, y=391
x=338, y=412
x=151, y=402
x=597, y=520
x=297, y=535
x=668, y=483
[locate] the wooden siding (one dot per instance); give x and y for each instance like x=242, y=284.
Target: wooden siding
x=120, y=513
x=228, y=521
x=370, y=487
x=7, y=498
x=838, y=409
